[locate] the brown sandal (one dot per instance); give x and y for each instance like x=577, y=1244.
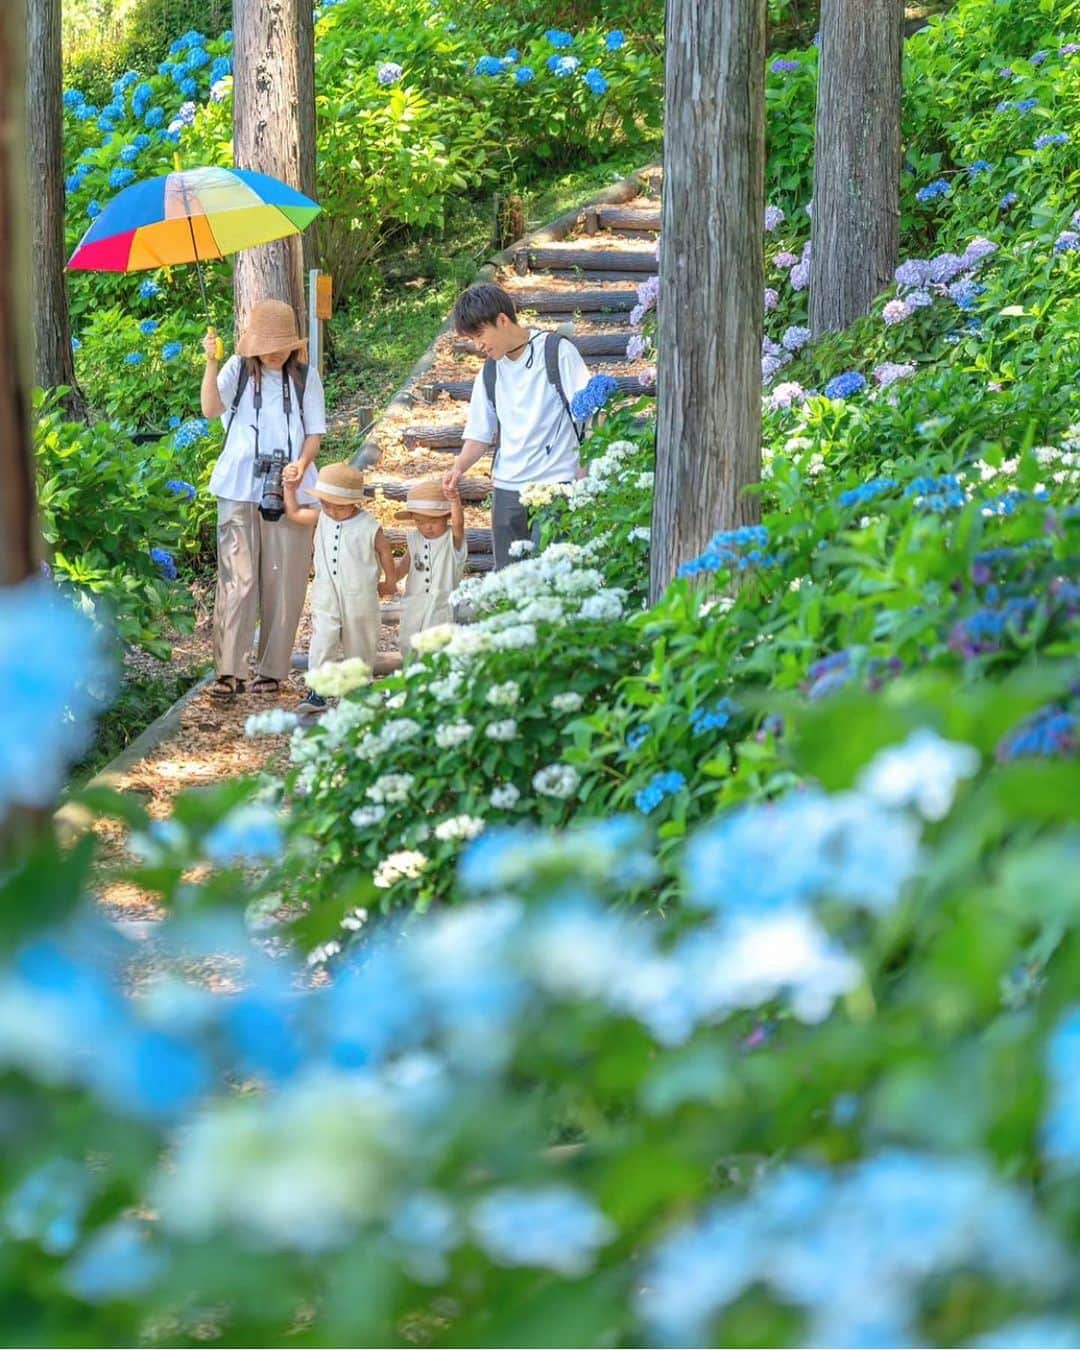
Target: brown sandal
x=265, y=684
x=225, y=688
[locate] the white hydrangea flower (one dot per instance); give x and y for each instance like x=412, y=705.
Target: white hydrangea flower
x=515, y=638
x=318, y=956
x=568, y=702
x=644, y=482
x=449, y=689
x=544, y=609
x=557, y=780
x=366, y=816
x=459, y=827
x=405, y=865
x=922, y=772
x=396, y=701
x=605, y=606
x=584, y=580
x=334, y=679
x=391, y=788
x=355, y=920
x=376, y=744
x=505, y=797
x=642, y=532
x=521, y=548
x=503, y=695
x=275, y=722
x=434, y=639
x=501, y=731
x=542, y=494
x=452, y=733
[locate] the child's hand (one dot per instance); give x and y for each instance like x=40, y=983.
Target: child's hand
x=453, y=494
x=210, y=345
x=291, y=474
x=387, y=589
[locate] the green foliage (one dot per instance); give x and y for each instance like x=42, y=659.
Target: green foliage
x=135, y=376
x=104, y=504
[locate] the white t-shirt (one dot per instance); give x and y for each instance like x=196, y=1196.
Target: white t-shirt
x=537, y=443
x=234, y=473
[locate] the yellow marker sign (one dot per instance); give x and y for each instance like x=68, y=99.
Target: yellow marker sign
x=324, y=296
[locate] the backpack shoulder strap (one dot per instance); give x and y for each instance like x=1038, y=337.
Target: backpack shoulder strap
x=554, y=376
x=489, y=382
x=241, y=385
x=299, y=381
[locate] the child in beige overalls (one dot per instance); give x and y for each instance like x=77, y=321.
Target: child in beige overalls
x=350, y=548
x=435, y=558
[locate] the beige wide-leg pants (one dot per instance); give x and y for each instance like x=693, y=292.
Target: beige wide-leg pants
x=343, y=624
x=263, y=568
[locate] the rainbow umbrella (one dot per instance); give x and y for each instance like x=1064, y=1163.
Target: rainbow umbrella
x=191, y=215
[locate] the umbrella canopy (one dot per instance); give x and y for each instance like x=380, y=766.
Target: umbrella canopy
x=190, y=216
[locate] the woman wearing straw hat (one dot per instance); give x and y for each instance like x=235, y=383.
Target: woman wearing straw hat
x=435, y=557
x=274, y=414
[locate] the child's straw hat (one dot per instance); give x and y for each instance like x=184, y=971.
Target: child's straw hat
x=271, y=327
x=427, y=498
x=339, y=483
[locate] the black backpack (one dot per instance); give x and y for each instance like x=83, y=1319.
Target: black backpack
x=554, y=378
x=298, y=374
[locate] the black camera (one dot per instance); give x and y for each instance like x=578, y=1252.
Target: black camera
x=270, y=466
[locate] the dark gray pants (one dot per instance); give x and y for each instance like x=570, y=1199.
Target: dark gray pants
x=509, y=521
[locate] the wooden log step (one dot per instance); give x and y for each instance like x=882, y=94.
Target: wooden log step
x=472, y=489
x=563, y=256
x=480, y=562
x=593, y=274
x=621, y=218
x=479, y=541
x=433, y=438
x=462, y=389
x=588, y=344
x=573, y=302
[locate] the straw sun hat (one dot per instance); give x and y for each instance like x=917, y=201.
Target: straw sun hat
x=339, y=483
x=271, y=327
x=426, y=498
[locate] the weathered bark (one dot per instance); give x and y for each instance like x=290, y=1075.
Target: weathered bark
x=18, y=533
x=272, y=135
x=53, y=364
x=856, y=222
x=711, y=278
x=305, y=114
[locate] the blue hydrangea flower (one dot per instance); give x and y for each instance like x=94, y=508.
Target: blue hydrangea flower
x=965, y=293
x=148, y=326
x=782, y=67
x=188, y=87
x=511, y=56
x=1008, y=201
x=173, y=422
x=843, y=386
x=55, y=674
x=222, y=66
x=74, y=181
x=523, y=74
x=595, y=81
x=76, y=344
x=637, y=737
x=163, y=561
x=197, y=58
x=551, y=1227
x=149, y=290
x=142, y=141
x=937, y=494
x=155, y=117
x=181, y=489
x=189, y=432
x=1051, y=733
x=129, y=154
x=563, y=65
x=661, y=785
x=119, y=178
x=489, y=66
x=134, y=358
x=938, y=188
x=93, y=209
x=593, y=397
x=558, y=38
x=732, y=550
x=1026, y=104
x=85, y=111
x=715, y=718
x=389, y=73
x=867, y=492
x=248, y=832
x=74, y=98
x=615, y=40
x=1055, y=138
x=1038, y=58
x=979, y=166
x=1068, y=241
x=171, y=351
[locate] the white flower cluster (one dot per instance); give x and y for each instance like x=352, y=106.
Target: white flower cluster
x=333, y=679
x=433, y=639
x=521, y=548
x=459, y=827
x=567, y=703
x=501, y=731
x=505, y=797
x=391, y=788
x=503, y=695
x=366, y=816
x=275, y=722
x=557, y=780
x=451, y=734
x=405, y=865
x=377, y=744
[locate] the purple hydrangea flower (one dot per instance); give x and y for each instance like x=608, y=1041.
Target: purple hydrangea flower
x=1055, y=138
x=774, y=218
x=772, y=299
x=787, y=394
x=1068, y=241
x=795, y=338
x=896, y=311
x=389, y=72
x=785, y=260
x=914, y=272
x=890, y=371
x=782, y=67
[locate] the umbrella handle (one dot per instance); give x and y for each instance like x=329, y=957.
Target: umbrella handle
x=219, y=349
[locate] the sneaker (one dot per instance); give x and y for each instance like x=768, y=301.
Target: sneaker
x=313, y=703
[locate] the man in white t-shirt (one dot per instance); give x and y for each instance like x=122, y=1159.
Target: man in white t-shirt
x=530, y=419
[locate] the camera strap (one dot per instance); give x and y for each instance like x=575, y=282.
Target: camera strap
x=286, y=403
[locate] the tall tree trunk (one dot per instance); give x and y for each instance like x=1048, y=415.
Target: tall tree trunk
x=305, y=113
x=269, y=136
x=18, y=533
x=53, y=364
x=711, y=278
x=856, y=223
